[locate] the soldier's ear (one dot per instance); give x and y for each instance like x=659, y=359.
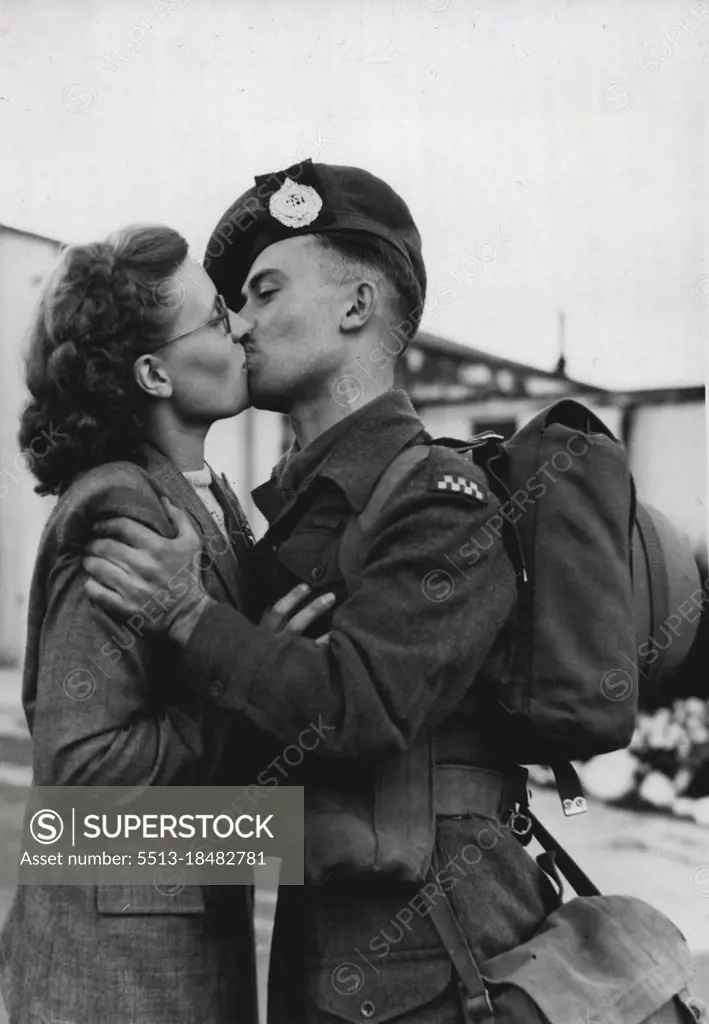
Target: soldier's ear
x=360, y=306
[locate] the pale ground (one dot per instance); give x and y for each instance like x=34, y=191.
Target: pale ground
x=659, y=859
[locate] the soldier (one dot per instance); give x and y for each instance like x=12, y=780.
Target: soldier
x=325, y=266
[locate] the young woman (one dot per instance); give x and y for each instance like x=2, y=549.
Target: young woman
x=131, y=360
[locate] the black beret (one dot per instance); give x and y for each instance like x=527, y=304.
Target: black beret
x=307, y=199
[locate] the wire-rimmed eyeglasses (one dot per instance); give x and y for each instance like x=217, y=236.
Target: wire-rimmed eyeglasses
x=221, y=317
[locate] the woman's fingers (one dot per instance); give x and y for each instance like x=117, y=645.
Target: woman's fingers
x=312, y=611
x=274, y=618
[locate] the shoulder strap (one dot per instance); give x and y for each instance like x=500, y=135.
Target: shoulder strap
x=564, y=861
x=351, y=543
x=474, y=994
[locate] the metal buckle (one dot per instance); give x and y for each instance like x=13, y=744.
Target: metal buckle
x=519, y=829
x=576, y=806
x=478, y=1009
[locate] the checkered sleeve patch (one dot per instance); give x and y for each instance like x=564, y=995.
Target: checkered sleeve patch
x=459, y=485
x=452, y=472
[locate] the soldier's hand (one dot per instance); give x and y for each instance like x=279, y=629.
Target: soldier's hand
x=131, y=568
x=282, y=617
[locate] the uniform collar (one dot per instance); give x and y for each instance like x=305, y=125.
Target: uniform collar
x=299, y=463
x=353, y=453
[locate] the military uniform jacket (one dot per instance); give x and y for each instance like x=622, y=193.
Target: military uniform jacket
x=407, y=646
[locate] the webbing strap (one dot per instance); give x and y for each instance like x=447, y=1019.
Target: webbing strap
x=564, y=861
x=474, y=994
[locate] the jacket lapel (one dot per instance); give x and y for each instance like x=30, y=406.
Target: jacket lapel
x=178, y=489
x=268, y=499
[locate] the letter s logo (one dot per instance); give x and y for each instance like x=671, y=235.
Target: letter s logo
x=347, y=979
x=46, y=827
x=437, y=585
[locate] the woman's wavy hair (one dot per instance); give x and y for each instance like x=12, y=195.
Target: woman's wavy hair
x=105, y=304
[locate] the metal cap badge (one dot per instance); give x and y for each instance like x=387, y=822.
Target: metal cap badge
x=295, y=205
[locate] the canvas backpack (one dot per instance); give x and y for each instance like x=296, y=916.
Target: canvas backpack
x=567, y=681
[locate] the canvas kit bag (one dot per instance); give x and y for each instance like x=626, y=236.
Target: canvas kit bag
x=595, y=960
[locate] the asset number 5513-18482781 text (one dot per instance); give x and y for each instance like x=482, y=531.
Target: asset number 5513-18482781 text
x=227, y=858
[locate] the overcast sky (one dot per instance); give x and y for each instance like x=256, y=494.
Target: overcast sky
x=554, y=155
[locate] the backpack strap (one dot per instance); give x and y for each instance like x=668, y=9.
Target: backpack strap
x=563, y=860
x=350, y=553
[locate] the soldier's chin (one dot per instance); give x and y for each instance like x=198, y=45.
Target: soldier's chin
x=261, y=396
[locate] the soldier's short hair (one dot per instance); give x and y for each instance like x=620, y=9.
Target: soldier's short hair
x=356, y=250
